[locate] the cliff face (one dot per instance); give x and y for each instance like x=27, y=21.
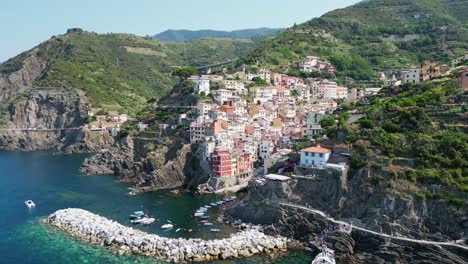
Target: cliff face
x=150, y=165
x=353, y=247
x=14, y=83
x=359, y=201
x=43, y=119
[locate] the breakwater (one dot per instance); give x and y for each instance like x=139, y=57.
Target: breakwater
x=97, y=229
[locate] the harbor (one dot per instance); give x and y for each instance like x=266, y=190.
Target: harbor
x=125, y=240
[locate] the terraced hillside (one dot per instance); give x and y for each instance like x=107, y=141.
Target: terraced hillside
x=384, y=34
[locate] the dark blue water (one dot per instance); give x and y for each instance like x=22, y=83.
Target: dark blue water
x=53, y=182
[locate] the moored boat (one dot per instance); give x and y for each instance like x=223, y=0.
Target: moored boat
x=143, y=221
x=198, y=214
x=215, y=230
x=167, y=226
x=327, y=256
x=208, y=224
x=30, y=203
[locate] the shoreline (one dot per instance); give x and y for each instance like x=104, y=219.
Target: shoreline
x=93, y=228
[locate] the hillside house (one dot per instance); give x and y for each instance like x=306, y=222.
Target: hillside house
x=314, y=157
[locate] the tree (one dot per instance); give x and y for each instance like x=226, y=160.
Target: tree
x=184, y=72
x=259, y=81
x=327, y=122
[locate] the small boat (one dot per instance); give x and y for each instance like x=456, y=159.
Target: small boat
x=137, y=215
x=190, y=230
x=220, y=202
x=169, y=221
x=198, y=214
x=233, y=197
x=204, y=221
x=167, y=226
x=208, y=224
x=207, y=206
x=214, y=204
x=143, y=221
x=327, y=256
x=216, y=230
x=178, y=229
x=200, y=211
x=30, y=203
x=204, y=217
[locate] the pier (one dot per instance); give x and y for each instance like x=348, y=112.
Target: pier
x=125, y=240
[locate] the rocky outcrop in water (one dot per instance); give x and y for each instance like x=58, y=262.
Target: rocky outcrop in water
x=93, y=228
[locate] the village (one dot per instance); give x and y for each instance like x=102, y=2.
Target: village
x=245, y=123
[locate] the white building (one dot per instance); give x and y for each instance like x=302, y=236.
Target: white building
x=314, y=157
x=199, y=129
x=202, y=84
x=341, y=92
x=325, y=89
x=221, y=96
x=208, y=148
x=265, y=148
x=262, y=94
x=412, y=75
x=303, y=92
x=204, y=108
x=235, y=86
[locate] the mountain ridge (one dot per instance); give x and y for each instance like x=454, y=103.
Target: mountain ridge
x=120, y=70
x=183, y=35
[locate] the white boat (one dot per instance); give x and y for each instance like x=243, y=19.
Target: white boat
x=327, y=256
x=198, y=214
x=30, y=203
x=143, y=221
x=167, y=226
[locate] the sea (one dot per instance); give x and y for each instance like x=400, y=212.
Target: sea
x=53, y=181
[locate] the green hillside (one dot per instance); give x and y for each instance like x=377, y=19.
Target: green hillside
x=385, y=34
x=121, y=71
x=417, y=135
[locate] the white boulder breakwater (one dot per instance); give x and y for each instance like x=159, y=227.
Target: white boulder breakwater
x=97, y=229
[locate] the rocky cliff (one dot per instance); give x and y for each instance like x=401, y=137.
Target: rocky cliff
x=16, y=82
x=151, y=164
x=359, y=201
x=39, y=119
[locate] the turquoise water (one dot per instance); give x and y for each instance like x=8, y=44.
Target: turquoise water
x=53, y=182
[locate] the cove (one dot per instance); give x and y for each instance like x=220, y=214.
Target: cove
x=54, y=182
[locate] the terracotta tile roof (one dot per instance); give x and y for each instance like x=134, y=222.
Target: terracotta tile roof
x=317, y=149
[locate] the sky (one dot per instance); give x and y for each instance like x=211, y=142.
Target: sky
x=26, y=23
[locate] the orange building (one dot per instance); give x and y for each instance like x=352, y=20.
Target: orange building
x=462, y=78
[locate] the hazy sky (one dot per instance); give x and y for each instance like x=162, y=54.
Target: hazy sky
x=26, y=23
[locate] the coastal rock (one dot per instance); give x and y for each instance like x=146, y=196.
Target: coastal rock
x=261, y=207
x=125, y=240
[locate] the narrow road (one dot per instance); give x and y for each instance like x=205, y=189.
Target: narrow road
x=41, y=129
x=420, y=241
